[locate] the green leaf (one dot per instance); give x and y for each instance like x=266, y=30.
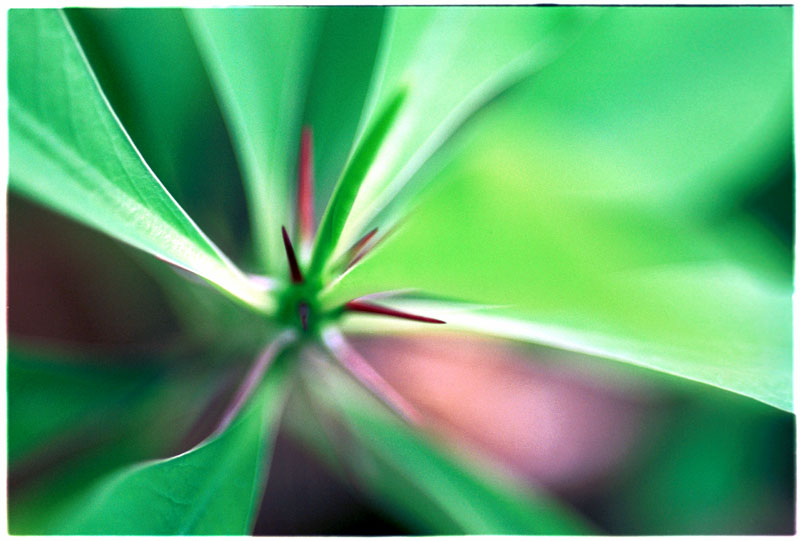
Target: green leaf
x=452, y=62
x=593, y=276
x=617, y=259
x=74, y=419
x=47, y=400
x=69, y=152
x=671, y=105
x=211, y=489
x=420, y=483
x=259, y=61
x=347, y=52
x=589, y=276
x=341, y=202
x=749, y=364
x=148, y=66
x=720, y=463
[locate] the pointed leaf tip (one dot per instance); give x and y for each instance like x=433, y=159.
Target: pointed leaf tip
x=294, y=268
x=305, y=186
x=359, y=249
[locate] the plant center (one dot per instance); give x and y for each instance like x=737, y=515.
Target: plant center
x=300, y=308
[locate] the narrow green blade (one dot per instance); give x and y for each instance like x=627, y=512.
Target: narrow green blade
x=347, y=54
x=69, y=152
x=346, y=190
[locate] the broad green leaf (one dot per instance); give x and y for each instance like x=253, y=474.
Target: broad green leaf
x=611, y=252
x=147, y=63
x=211, y=489
x=341, y=202
x=259, y=61
x=420, y=483
x=452, y=62
x=579, y=271
x=69, y=152
x=720, y=463
x=74, y=419
x=673, y=108
x=761, y=370
x=47, y=400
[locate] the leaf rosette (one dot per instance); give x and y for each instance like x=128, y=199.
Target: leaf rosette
x=515, y=172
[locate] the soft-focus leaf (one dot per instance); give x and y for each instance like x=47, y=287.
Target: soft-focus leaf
x=617, y=258
x=341, y=202
x=69, y=152
x=719, y=463
x=417, y=481
x=46, y=399
x=670, y=105
x=260, y=61
x=147, y=415
x=211, y=489
x=347, y=52
x=148, y=66
x=209, y=321
x=759, y=370
x=590, y=275
x=452, y=61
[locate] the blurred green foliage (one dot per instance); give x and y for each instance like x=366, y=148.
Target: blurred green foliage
x=615, y=182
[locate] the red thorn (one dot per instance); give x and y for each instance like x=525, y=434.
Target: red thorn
x=303, y=309
x=305, y=186
x=366, y=307
x=359, y=256
x=357, y=251
x=363, y=241
x=294, y=268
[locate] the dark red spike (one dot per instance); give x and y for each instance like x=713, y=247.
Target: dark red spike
x=357, y=251
x=367, y=249
x=294, y=268
x=305, y=186
x=369, y=308
x=359, y=245
x=357, y=258
x=303, y=310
